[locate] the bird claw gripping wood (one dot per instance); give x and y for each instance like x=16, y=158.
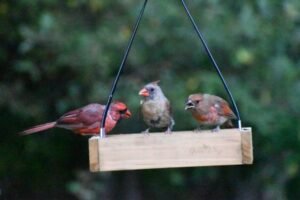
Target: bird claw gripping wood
x=215, y=130
x=146, y=132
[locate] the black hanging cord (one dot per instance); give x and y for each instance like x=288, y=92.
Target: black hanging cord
x=213, y=61
x=114, y=86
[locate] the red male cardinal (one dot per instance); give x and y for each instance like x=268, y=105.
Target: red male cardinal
x=86, y=120
x=209, y=110
x=156, y=108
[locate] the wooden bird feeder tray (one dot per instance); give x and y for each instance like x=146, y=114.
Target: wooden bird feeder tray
x=179, y=149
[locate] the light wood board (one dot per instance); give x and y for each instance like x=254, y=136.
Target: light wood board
x=179, y=149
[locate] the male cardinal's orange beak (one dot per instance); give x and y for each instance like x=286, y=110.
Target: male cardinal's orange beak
x=127, y=114
x=143, y=92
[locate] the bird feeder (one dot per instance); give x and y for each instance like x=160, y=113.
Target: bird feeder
x=179, y=149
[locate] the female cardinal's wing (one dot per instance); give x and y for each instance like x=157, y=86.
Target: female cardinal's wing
x=82, y=117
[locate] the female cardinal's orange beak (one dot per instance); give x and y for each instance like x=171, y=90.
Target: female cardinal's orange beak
x=143, y=92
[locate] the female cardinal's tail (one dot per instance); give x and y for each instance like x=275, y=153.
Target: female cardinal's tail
x=38, y=128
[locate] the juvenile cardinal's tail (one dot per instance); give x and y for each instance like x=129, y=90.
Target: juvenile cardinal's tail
x=38, y=128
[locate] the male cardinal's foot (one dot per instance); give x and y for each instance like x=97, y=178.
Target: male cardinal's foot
x=217, y=129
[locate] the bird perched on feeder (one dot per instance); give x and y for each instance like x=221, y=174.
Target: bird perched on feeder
x=86, y=120
x=209, y=110
x=156, y=108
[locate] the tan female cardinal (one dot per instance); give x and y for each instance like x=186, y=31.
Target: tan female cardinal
x=86, y=120
x=155, y=107
x=209, y=110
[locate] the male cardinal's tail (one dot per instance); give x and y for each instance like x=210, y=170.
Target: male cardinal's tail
x=38, y=128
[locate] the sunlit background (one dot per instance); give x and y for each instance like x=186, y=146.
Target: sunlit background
x=59, y=55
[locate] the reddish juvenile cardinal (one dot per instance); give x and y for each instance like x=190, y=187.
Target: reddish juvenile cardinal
x=209, y=110
x=155, y=107
x=86, y=120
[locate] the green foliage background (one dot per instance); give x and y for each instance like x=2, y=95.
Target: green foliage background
x=59, y=55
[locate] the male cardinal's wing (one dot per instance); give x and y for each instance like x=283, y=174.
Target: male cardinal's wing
x=82, y=117
x=70, y=117
x=91, y=114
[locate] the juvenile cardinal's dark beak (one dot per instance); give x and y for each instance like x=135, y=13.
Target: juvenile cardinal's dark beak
x=127, y=114
x=189, y=104
x=143, y=92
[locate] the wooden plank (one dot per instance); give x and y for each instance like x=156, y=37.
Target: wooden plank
x=179, y=149
x=94, y=154
x=247, y=148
